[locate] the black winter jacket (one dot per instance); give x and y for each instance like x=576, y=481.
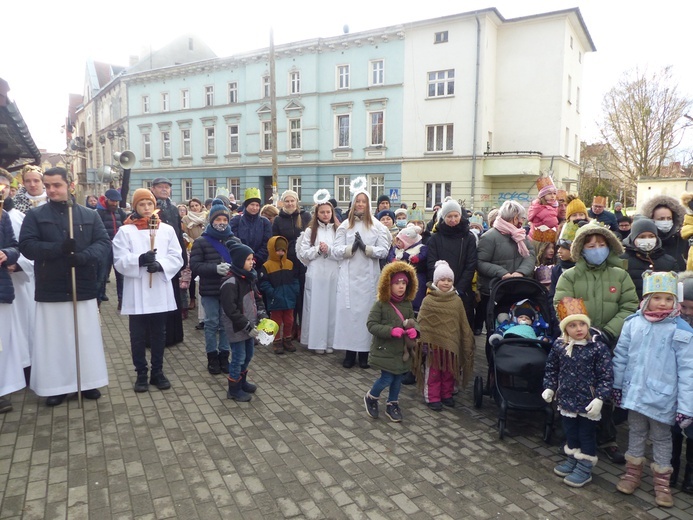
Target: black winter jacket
x=204, y=260
x=44, y=231
x=457, y=246
x=290, y=226
x=639, y=262
x=112, y=220
x=9, y=246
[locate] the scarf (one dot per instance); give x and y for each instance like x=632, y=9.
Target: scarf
x=140, y=222
x=219, y=235
x=397, y=299
x=571, y=343
x=249, y=275
x=196, y=218
x=517, y=234
x=655, y=316
x=36, y=200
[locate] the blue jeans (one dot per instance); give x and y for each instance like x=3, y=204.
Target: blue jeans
x=394, y=381
x=581, y=432
x=213, y=325
x=241, y=354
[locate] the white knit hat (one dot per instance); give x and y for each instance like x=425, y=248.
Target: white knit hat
x=289, y=193
x=443, y=270
x=449, y=206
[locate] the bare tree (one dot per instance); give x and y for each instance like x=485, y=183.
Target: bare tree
x=643, y=123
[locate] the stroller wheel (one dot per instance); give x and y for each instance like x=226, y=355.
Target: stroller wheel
x=478, y=391
x=501, y=428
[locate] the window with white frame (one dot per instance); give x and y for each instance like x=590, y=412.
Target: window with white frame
x=341, y=188
x=185, y=99
x=342, y=76
x=233, y=92
x=210, y=188
x=266, y=136
x=439, y=138
x=164, y=102
x=145, y=104
x=376, y=128
x=147, y=184
x=295, y=134
x=441, y=37
x=295, y=185
x=295, y=82
x=577, y=100
x=234, y=186
x=210, y=141
x=187, y=189
x=377, y=72
x=376, y=186
x=436, y=193
x=570, y=88
x=343, y=131
x=185, y=141
x=165, y=144
x=146, y=146
x=209, y=95
x=233, y=138
x=266, y=86
x=441, y=83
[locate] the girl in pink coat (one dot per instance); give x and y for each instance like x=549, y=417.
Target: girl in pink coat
x=543, y=212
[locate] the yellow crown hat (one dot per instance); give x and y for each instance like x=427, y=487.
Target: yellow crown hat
x=252, y=195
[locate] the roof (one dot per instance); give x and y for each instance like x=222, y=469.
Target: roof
x=17, y=147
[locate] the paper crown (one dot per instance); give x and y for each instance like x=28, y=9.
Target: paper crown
x=224, y=192
x=664, y=282
x=561, y=194
x=544, y=182
x=571, y=309
x=477, y=220
x=252, y=195
x=600, y=201
x=568, y=233
x=415, y=214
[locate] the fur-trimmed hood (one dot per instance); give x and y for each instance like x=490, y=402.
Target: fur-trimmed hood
x=386, y=275
x=686, y=198
x=677, y=209
x=593, y=228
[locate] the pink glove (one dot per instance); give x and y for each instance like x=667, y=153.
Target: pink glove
x=397, y=332
x=411, y=333
x=414, y=259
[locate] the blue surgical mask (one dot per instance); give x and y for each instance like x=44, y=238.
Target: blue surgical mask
x=401, y=223
x=596, y=256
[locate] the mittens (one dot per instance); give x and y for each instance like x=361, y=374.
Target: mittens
x=547, y=395
x=594, y=409
x=411, y=333
x=397, y=332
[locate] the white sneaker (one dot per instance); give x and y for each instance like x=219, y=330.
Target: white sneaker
x=320, y=351
x=329, y=350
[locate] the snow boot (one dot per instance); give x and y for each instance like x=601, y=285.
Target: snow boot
x=236, y=392
x=213, y=363
x=582, y=474
x=566, y=467
x=248, y=388
x=224, y=361
x=631, y=480
x=660, y=478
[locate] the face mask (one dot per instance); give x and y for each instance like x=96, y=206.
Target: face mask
x=220, y=226
x=596, y=256
x=645, y=244
x=664, y=225
x=401, y=223
x=475, y=231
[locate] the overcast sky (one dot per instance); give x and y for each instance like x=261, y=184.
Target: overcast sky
x=52, y=40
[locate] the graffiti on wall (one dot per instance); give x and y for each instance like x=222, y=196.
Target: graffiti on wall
x=520, y=196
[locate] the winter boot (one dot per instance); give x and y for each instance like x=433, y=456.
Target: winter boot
x=279, y=346
x=213, y=363
x=160, y=381
x=371, y=405
x=582, y=473
x=288, y=345
x=660, y=478
x=676, y=448
x=5, y=405
x=631, y=480
x=224, y=361
x=363, y=360
x=248, y=388
x=236, y=392
x=141, y=385
x=349, y=359
x=393, y=412
x=566, y=467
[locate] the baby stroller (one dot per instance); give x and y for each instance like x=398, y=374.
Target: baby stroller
x=516, y=365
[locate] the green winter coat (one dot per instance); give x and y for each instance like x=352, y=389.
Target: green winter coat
x=607, y=289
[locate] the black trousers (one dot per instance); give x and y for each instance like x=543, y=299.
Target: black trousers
x=148, y=329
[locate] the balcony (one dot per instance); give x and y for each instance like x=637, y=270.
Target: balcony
x=512, y=164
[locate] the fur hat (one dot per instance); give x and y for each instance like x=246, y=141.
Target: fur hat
x=218, y=209
x=142, y=194
x=252, y=195
x=386, y=275
x=409, y=235
x=289, y=193
x=387, y=212
x=575, y=205
x=571, y=309
x=664, y=201
x=449, y=206
x=687, y=201
x=442, y=271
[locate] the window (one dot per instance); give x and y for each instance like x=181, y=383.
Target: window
x=566, y=141
x=295, y=82
x=233, y=138
x=439, y=138
x=441, y=83
x=341, y=188
x=571, y=42
x=576, y=147
x=185, y=138
x=146, y=146
x=266, y=136
x=187, y=189
x=377, y=72
x=344, y=131
x=185, y=99
x=577, y=100
x=376, y=186
x=210, y=142
x=164, y=102
x=145, y=104
x=295, y=134
x=579, y=56
x=376, y=128
x=342, y=76
x=295, y=185
x=166, y=144
x=266, y=86
x=209, y=96
x=570, y=88
x=234, y=186
x=147, y=185
x=441, y=37
x=436, y=193
x=233, y=92
x=210, y=188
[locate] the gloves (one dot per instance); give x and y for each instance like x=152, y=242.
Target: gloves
x=154, y=267
x=616, y=396
x=547, y=395
x=397, y=332
x=251, y=330
x=594, y=408
x=147, y=258
x=414, y=259
x=223, y=269
x=411, y=333
x=354, y=246
x=69, y=246
x=362, y=246
x=684, y=421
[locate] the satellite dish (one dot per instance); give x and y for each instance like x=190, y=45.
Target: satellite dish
x=345, y=29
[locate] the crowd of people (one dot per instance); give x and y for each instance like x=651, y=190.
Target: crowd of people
x=389, y=288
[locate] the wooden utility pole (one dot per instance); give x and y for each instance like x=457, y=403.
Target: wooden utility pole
x=273, y=116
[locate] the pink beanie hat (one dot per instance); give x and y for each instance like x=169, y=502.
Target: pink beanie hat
x=443, y=270
x=410, y=235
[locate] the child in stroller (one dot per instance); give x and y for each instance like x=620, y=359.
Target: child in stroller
x=523, y=321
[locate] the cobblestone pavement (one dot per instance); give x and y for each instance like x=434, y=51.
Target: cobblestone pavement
x=302, y=448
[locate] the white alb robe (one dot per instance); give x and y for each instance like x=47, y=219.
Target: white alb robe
x=24, y=306
x=11, y=370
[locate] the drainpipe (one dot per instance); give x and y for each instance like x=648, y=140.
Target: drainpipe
x=476, y=106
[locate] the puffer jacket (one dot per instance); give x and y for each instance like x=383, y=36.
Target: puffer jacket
x=290, y=226
x=607, y=290
x=112, y=220
x=277, y=280
x=204, y=259
x=541, y=215
x=581, y=377
x=9, y=246
x=498, y=255
x=457, y=246
x=637, y=262
x=242, y=305
x=653, y=367
x=672, y=242
x=386, y=352
x=254, y=231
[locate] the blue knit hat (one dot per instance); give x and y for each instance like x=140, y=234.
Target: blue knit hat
x=218, y=208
